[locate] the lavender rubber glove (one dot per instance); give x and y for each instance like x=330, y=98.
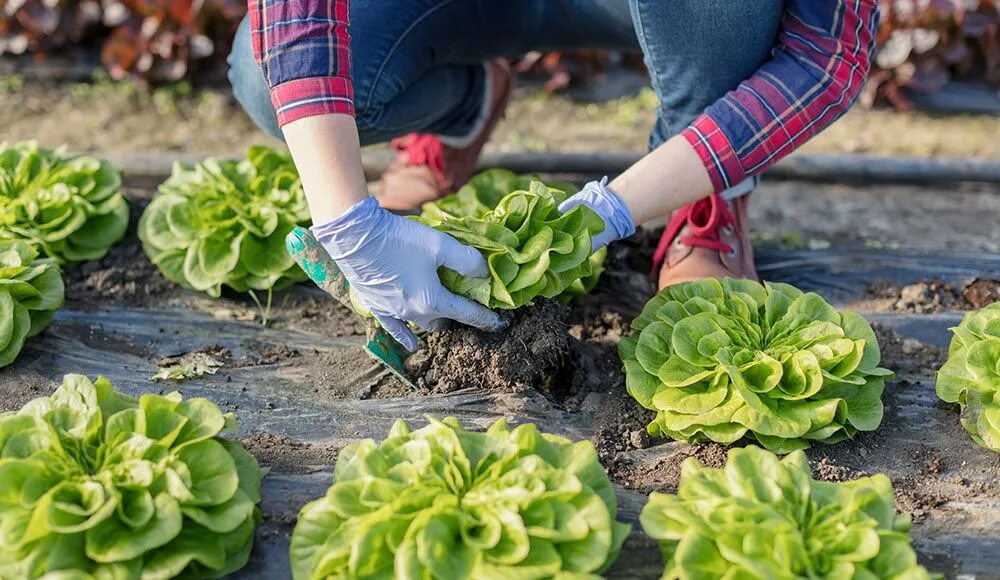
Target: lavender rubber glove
x=617, y=220
x=392, y=262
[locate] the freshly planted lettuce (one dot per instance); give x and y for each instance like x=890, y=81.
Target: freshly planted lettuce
x=764, y=518
x=483, y=193
x=720, y=359
x=31, y=290
x=224, y=222
x=971, y=376
x=442, y=502
x=96, y=484
x=69, y=207
x=532, y=250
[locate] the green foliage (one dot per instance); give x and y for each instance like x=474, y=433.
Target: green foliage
x=31, y=290
x=721, y=358
x=971, y=376
x=764, y=518
x=483, y=193
x=97, y=484
x=225, y=222
x=531, y=249
x=69, y=207
x=442, y=502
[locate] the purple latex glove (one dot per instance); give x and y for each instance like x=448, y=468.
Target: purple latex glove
x=606, y=203
x=392, y=262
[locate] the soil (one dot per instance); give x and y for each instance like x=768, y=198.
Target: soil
x=527, y=354
x=907, y=355
x=931, y=296
x=285, y=455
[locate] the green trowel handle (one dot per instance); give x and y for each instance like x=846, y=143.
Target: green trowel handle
x=317, y=264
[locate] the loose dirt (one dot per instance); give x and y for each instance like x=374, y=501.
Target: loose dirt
x=931, y=296
x=527, y=354
x=285, y=455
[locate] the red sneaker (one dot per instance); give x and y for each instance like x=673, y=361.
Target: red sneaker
x=426, y=168
x=708, y=238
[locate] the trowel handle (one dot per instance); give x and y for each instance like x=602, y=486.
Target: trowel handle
x=310, y=255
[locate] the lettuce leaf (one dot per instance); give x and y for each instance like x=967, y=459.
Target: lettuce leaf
x=98, y=484
x=31, y=290
x=224, y=222
x=69, y=207
x=532, y=250
x=761, y=517
x=971, y=375
x=720, y=359
x=443, y=502
x=483, y=193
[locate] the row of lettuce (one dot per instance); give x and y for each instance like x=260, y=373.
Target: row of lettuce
x=104, y=485
x=717, y=359
x=97, y=484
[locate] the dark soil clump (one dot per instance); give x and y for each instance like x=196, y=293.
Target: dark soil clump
x=527, y=354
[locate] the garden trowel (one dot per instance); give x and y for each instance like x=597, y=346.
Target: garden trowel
x=321, y=268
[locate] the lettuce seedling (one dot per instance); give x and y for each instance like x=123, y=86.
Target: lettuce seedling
x=97, y=484
x=70, y=207
x=483, y=193
x=532, y=250
x=31, y=290
x=971, y=376
x=719, y=359
x=764, y=518
x=443, y=502
x=224, y=222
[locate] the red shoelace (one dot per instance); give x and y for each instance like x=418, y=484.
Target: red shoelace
x=706, y=217
x=423, y=149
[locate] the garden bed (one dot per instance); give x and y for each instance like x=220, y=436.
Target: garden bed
x=302, y=388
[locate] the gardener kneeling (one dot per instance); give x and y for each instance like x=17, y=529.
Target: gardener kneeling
x=741, y=84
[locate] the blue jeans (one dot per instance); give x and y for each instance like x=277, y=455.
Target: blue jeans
x=417, y=63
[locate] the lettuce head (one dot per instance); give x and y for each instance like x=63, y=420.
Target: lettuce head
x=761, y=517
x=971, y=375
x=442, y=502
x=224, y=222
x=31, y=290
x=96, y=484
x=69, y=207
x=720, y=359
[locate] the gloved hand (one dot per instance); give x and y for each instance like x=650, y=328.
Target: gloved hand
x=392, y=262
x=606, y=203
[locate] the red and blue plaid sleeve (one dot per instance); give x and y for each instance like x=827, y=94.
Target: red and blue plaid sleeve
x=304, y=49
x=817, y=70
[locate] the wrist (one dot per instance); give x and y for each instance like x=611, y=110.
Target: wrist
x=348, y=230
x=612, y=208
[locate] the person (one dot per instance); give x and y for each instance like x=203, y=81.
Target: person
x=741, y=83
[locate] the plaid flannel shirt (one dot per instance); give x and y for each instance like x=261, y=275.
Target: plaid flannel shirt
x=815, y=74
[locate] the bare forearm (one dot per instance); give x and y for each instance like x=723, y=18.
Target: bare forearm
x=668, y=178
x=327, y=153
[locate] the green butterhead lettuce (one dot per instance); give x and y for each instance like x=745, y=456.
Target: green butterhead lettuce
x=70, y=207
x=483, y=193
x=764, y=518
x=224, y=222
x=95, y=484
x=530, y=248
x=445, y=503
x=31, y=290
x=971, y=376
x=720, y=359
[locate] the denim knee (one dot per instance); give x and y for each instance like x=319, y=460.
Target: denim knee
x=249, y=87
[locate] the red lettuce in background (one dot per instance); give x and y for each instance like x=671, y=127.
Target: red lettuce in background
x=922, y=43
x=154, y=40
x=925, y=43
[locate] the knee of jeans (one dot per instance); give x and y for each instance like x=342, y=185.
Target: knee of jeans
x=249, y=87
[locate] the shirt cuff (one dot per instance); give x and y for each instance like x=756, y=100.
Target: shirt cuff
x=308, y=97
x=716, y=152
